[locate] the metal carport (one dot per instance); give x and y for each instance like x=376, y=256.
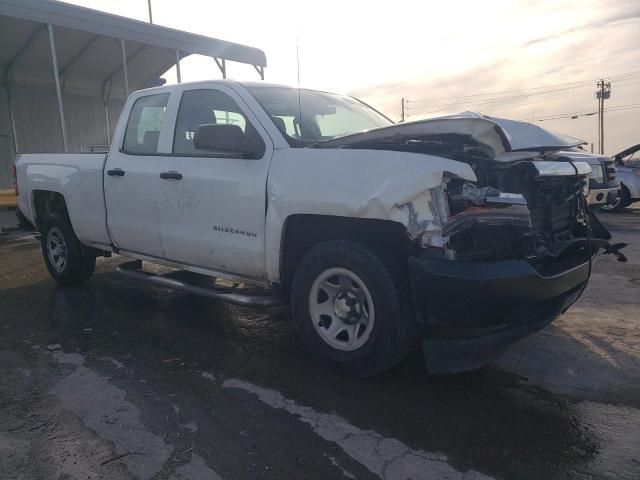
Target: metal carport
x=66, y=70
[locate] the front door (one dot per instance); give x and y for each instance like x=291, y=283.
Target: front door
x=131, y=179
x=212, y=203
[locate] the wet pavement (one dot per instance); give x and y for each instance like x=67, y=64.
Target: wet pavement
x=121, y=380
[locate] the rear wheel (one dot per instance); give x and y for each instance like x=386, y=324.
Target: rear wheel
x=352, y=310
x=67, y=260
x=623, y=201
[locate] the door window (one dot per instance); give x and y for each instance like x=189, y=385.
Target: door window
x=206, y=107
x=144, y=124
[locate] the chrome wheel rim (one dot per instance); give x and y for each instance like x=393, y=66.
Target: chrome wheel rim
x=56, y=250
x=341, y=309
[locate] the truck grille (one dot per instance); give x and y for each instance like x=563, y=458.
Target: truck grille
x=553, y=204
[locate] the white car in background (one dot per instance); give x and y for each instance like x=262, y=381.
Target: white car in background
x=628, y=173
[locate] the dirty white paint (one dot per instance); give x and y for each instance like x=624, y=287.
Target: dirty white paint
x=104, y=409
x=387, y=458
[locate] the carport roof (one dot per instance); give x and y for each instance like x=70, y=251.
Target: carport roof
x=88, y=48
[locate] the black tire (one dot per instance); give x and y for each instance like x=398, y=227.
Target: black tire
x=393, y=330
x=623, y=201
x=79, y=263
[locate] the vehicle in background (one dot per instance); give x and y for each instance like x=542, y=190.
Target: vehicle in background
x=628, y=173
x=464, y=233
x=604, y=187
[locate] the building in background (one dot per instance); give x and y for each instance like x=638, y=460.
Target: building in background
x=65, y=72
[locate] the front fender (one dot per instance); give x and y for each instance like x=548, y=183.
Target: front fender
x=373, y=184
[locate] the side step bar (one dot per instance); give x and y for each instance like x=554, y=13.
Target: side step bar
x=134, y=270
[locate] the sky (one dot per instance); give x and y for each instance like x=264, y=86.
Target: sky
x=533, y=60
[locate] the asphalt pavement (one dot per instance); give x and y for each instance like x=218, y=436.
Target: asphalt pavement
x=120, y=380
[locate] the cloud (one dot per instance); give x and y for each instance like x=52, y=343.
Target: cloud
x=604, y=41
x=612, y=20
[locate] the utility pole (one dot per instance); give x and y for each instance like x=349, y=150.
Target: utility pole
x=602, y=94
x=150, y=12
x=403, y=114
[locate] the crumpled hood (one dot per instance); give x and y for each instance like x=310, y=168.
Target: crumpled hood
x=499, y=138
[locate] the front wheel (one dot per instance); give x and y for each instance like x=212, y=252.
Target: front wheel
x=352, y=310
x=67, y=260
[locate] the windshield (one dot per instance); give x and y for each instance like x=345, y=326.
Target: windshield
x=324, y=115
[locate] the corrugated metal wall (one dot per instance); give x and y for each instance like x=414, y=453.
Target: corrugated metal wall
x=38, y=124
x=6, y=141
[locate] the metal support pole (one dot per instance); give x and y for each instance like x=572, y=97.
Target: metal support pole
x=124, y=69
x=260, y=71
x=178, y=66
x=56, y=74
x=12, y=119
x=107, y=123
x=150, y=12
x=402, y=114
x=602, y=125
x=222, y=65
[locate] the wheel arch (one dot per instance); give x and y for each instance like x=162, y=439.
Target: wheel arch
x=46, y=202
x=301, y=232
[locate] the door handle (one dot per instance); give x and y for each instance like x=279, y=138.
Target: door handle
x=116, y=172
x=171, y=175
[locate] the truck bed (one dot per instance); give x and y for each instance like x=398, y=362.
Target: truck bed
x=79, y=178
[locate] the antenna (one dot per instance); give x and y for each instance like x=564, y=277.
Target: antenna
x=299, y=101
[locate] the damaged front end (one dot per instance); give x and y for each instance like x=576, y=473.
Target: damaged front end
x=518, y=248
x=512, y=251
x=518, y=251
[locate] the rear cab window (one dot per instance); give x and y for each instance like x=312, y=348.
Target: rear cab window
x=144, y=124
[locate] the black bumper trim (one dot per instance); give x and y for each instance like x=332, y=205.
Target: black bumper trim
x=472, y=311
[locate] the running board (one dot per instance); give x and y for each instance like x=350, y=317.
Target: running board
x=134, y=270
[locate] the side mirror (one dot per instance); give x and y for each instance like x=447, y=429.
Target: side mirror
x=225, y=138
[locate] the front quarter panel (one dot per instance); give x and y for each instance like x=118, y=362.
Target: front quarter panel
x=373, y=184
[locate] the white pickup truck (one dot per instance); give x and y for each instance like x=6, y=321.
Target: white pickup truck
x=465, y=232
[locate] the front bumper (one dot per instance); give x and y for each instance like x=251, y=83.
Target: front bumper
x=472, y=311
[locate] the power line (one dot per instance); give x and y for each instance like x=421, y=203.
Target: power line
x=490, y=101
x=550, y=99
x=620, y=76
x=586, y=113
x=512, y=105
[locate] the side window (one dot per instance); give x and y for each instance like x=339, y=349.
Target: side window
x=230, y=118
x=144, y=124
x=207, y=107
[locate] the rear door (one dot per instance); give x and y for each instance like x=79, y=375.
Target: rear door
x=131, y=178
x=212, y=204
